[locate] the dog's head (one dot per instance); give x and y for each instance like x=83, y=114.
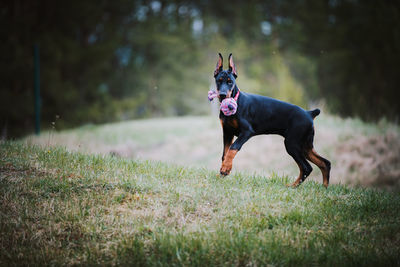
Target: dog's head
x=225, y=80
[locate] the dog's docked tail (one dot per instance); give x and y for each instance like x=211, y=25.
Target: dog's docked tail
x=314, y=113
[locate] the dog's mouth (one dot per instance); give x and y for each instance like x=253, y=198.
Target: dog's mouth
x=221, y=97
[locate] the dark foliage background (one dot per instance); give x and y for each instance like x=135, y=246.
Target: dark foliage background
x=103, y=61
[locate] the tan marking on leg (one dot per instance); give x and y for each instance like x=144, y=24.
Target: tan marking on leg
x=226, y=166
x=298, y=180
x=313, y=156
x=226, y=148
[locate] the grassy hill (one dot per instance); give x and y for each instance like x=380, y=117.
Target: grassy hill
x=361, y=153
x=68, y=208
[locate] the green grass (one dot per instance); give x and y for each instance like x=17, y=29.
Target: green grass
x=361, y=153
x=63, y=208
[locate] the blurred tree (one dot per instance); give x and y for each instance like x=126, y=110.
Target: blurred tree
x=110, y=60
x=77, y=41
x=356, y=46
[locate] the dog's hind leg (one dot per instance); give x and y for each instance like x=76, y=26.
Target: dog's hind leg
x=295, y=151
x=322, y=163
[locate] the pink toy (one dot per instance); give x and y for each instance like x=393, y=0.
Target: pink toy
x=211, y=95
x=228, y=105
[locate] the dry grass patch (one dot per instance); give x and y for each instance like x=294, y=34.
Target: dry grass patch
x=372, y=160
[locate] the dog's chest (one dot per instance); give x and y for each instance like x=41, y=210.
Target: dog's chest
x=231, y=124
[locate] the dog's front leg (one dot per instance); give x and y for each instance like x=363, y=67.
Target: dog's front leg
x=226, y=166
x=228, y=139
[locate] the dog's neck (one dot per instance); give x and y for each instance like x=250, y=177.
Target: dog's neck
x=235, y=91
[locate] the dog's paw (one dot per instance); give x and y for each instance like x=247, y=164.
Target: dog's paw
x=222, y=173
x=225, y=169
x=294, y=184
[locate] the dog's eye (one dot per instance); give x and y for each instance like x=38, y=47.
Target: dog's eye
x=229, y=82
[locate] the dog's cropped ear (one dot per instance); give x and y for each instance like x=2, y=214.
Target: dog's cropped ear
x=232, y=67
x=218, y=68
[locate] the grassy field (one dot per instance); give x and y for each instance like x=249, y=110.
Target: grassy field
x=361, y=153
x=68, y=208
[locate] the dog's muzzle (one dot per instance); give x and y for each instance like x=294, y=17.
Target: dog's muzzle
x=221, y=97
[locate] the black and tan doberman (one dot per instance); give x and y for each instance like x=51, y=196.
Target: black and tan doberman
x=257, y=115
